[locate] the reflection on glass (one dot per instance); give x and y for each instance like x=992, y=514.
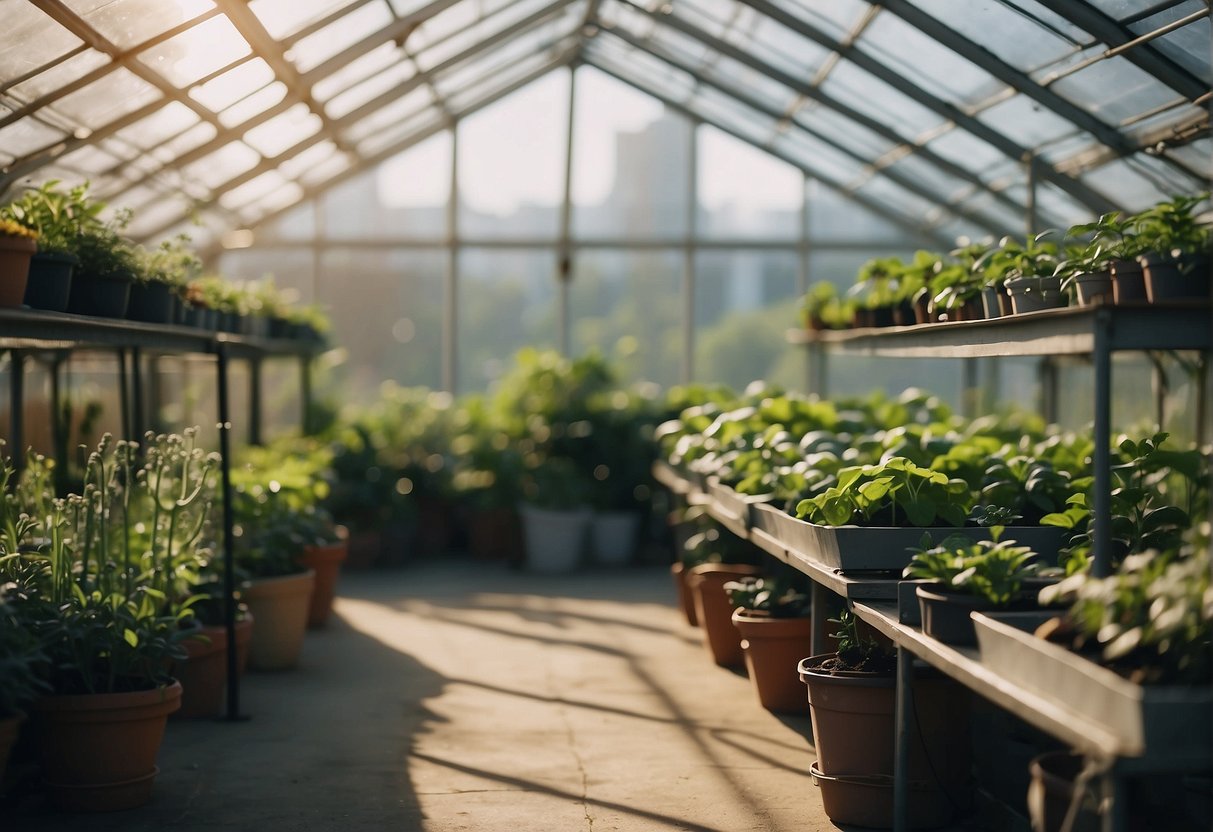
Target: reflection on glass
x=744, y=192
x=629, y=162
x=511, y=163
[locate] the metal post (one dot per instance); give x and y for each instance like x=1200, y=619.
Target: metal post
x=254, y=401
x=1029, y=160
x=1047, y=372
x=305, y=394
x=450, y=319
x=904, y=708
x=688, y=260
x=969, y=388
x=59, y=438
x=819, y=613
x=137, y=421
x=229, y=564
x=1101, y=519
x=16, y=411
x=124, y=396
x=564, y=264
x=154, y=392
x=802, y=274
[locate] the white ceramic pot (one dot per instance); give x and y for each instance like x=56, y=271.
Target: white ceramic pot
x=554, y=539
x=613, y=537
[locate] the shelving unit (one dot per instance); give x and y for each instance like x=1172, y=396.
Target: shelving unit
x=1095, y=331
x=26, y=333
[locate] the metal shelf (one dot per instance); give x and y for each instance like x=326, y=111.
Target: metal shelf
x=1075, y=330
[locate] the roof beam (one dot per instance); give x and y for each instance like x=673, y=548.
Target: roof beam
x=936, y=29
x=870, y=204
x=995, y=138
x=1145, y=56
x=367, y=162
x=778, y=116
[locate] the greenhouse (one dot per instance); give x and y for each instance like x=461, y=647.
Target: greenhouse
x=702, y=415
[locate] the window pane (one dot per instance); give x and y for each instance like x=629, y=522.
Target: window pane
x=744, y=192
x=744, y=303
x=196, y=52
x=108, y=99
x=282, y=17
x=507, y=300
x=629, y=162
x=283, y=131
x=836, y=218
x=627, y=305
x=339, y=35
x=511, y=163
x=127, y=23
x=225, y=90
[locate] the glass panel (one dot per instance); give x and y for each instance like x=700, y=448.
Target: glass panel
x=31, y=40
x=872, y=97
x=971, y=153
x=454, y=18
x=108, y=99
x=744, y=192
x=1057, y=208
x=284, y=131
x=836, y=17
x=1025, y=122
x=856, y=137
x=646, y=70
x=1187, y=46
x=834, y=217
x=394, y=332
x=233, y=85
x=818, y=157
x=303, y=161
x=380, y=84
x=194, y=137
x=507, y=300
x=1000, y=218
x=627, y=305
x=271, y=203
x=1198, y=155
x=27, y=136
x=928, y=177
x=58, y=77
x=415, y=187
x=407, y=105
x=1125, y=184
x=356, y=71
x=336, y=164
x=169, y=121
x=127, y=23
x=511, y=163
x=461, y=40
x=197, y=52
x=1010, y=35
x=253, y=105
x=404, y=134
x=884, y=192
x=744, y=303
x=779, y=46
x=90, y=161
x=167, y=211
x=224, y=164
x=343, y=33
x=629, y=162
x=729, y=114
x=299, y=223
x=252, y=190
x=1114, y=90
x=282, y=17
x=922, y=59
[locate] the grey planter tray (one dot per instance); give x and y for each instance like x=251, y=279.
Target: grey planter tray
x=1167, y=722
x=739, y=507
x=872, y=548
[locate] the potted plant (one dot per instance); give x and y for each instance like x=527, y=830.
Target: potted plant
x=17, y=246
x=824, y=308
x=555, y=515
x=101, y=284
x=876, y=292
x=1175, y=250
x=1029, y=275
x=619, y=455
x=965, y=575
x=161, y=280
x=20, y=654
x=58, y=217
x=773, y=620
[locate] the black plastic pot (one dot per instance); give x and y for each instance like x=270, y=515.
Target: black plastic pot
x=1128, y=282
x=945, y=615
x=103, y=297
x=1032, y=294
x=50, y=281
x=1093, y=288
x=1176, y=278
x=151, y=302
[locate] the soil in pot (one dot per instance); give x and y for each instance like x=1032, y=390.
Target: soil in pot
x=326, y=562
x=1052, y=791
x=203, y=674
x=99, y=750
x=773, y=648
x=15, y=254
x=50, y=281
x=1182, y=278
x=280, y=606
x=1128, y=282
x=714, y=611
x=686, y=601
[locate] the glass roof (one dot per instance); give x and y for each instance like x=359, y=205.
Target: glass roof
x=926, y=112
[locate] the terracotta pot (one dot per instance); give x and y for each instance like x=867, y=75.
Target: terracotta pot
x=773, y=648
x=1176, y=278
x=326, y=562
x=280, y=606
x=1128, y=282
x=9, y=728
x=15, y=254
x=99, y=750
x=50, y=281
x=203, y=674
x=686, y=600
x=715, y=613
x=1051, y=792
x=867, y=801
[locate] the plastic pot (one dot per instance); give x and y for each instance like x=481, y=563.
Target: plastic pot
x=151, y=302
x=715, y=613
x=1182, y=278
x=1093, y=288
x=50, y=281
x=613, y=537
x=945, y=615
x=867, y=801
x=1128, y=281
x=203, y=674
x=773, y=647
x=104, y=297
x=1032, y=294
x=554, y=540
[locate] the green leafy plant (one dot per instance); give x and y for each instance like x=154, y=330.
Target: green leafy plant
x=990, y=569
x=897, y=492
x=104, y=253
x=59, y=217
x=773, y=596
x=1171, y=228
x=859, y=652
x=172, y=262
x=20, y=655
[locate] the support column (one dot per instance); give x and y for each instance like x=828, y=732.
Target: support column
x=254, y=401
x=688, y=259
x=16, y=410
x=903, y=709
x=229, y=537
x=1101, y=511
x=564, y=255
x=450, y=307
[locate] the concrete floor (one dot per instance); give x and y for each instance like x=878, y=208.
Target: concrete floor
x=462, y=696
